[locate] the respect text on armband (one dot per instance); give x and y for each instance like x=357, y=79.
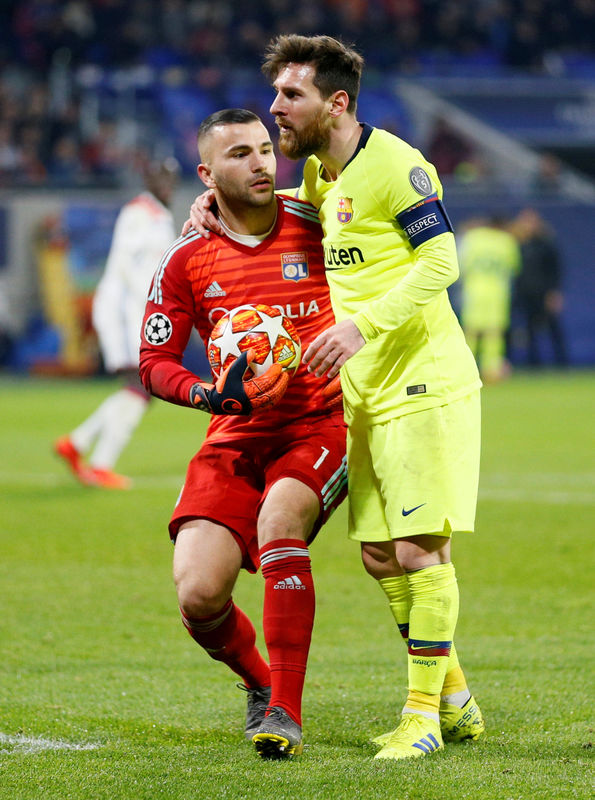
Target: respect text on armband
x=429, y=221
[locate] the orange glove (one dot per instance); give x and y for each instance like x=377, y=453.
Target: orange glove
x=333, y=394
x=234, y=395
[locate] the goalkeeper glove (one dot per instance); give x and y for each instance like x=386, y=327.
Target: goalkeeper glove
x=233, y=395
x=333, y=394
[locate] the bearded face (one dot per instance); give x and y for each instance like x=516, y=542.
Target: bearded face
x=312, y=136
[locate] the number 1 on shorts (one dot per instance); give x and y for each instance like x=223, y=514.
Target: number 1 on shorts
x=325, y=453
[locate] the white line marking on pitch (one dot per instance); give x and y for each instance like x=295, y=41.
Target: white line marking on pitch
x=37, y=744
x=584, y=479
x=545, y=497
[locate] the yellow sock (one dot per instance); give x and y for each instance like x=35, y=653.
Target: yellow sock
x=397, y=591
x=493, y=346
x=453, y=664
x=432, y=622
x=454, y=689
x=454, y=680
x=419, y=703
x=399, y=599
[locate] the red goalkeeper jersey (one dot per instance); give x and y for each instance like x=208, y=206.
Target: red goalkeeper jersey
x=199, y=279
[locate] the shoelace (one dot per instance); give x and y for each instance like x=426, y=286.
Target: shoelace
x=257, y=691
x=407, y=721
x=276, y=714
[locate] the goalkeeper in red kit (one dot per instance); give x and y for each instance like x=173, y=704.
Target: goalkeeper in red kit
x=272, y=467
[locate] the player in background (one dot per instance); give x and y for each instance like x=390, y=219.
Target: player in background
x=410, y=383
x=262, y=483
x=490, y=258
x=539, y=286
x=144, y=229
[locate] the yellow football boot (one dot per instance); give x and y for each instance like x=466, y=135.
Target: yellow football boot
x=416, y=736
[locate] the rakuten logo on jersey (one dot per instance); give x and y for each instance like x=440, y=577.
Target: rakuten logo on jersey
x=291, y=310
x=337, y=257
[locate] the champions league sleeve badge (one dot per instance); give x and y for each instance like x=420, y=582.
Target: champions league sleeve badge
x=294, y=266
x=158, y=328
x=420, y=180
x=344, y=210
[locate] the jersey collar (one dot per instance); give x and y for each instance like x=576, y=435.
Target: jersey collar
x=363, y=141
x=269, y=238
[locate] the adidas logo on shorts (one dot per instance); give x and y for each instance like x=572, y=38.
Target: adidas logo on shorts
x=290, y=583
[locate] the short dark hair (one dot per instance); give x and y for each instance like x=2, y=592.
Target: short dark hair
x=337, y=65
x=227, y=116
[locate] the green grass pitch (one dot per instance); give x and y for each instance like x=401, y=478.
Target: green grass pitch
x=103, y=696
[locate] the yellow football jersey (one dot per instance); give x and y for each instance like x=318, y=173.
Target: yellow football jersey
x=389, y=257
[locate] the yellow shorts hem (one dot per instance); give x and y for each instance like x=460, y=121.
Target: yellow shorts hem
x=387, y=537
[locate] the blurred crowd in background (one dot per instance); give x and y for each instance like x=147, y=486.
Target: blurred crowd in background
x=88, y=86
x=93, y=91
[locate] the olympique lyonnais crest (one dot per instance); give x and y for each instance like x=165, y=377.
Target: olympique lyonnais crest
x=344, y=210
x=294, y=266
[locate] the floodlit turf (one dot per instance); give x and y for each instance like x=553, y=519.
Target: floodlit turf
x=103, y=696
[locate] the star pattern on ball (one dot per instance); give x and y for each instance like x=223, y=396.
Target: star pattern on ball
x=274, y=327
x=266, y=330
x=228, y=342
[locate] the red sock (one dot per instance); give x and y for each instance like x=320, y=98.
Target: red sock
x=287, y=620
x=229, y=636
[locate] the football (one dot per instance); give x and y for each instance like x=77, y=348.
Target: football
x=269, y=332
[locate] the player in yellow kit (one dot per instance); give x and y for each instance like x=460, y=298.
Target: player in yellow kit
x=410, y=383
x=409, y=380
x=490, y=258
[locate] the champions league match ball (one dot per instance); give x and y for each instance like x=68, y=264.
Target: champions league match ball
x=270, y=333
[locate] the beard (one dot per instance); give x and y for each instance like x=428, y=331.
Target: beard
x=313, y=138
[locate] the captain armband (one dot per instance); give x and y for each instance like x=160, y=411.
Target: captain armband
x=424, y=221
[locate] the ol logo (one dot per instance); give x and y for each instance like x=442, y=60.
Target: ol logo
x=344, y=210
x=294, y=266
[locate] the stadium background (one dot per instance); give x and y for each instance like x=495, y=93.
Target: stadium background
x=102, y=695
x=498, y=93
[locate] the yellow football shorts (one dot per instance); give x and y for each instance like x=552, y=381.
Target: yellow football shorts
x=417, y=473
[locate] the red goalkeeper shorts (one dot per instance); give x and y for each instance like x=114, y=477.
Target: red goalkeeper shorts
x=227, y=482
